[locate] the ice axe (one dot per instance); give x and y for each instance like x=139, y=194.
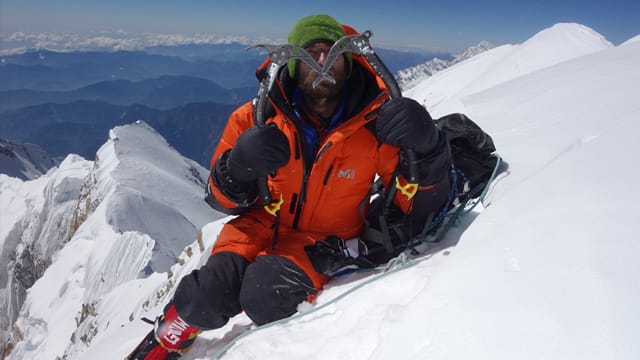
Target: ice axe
x=279, y=55
x=359, y=44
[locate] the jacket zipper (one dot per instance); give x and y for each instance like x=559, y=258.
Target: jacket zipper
x=327, y=175
x=321, y=152
x=306, y=169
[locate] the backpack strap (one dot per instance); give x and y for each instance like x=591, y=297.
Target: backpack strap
x=383, y=235
x=435, y=231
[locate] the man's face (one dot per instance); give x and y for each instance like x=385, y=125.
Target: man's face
x=306, y=75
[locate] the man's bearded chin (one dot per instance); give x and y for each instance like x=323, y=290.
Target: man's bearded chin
x=324, y=88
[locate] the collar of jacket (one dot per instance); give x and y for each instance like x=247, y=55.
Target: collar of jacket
x=363, y=88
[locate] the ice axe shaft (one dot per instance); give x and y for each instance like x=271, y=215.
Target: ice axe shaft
x=279, y=55
x=359, y=44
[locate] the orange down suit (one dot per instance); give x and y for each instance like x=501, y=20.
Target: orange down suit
x=315, y=199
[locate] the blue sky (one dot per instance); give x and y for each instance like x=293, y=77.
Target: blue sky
x=442, y=25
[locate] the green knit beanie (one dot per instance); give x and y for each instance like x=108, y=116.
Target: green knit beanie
x=314, y=28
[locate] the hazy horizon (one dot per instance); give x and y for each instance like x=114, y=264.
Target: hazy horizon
x=401, y=24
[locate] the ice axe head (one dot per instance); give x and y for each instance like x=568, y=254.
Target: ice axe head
x=281, y=54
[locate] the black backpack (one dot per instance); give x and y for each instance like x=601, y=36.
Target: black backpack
x=389, y=231
x=472, y=150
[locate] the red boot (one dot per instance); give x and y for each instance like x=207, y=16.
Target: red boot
x=170, y=337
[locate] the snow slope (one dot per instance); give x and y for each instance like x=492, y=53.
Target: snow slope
x=548, y=270
x=34, y=224
x=408, y=78
x=442, y=92
x=135, y=212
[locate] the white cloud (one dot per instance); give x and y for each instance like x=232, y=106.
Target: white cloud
x=19, y=42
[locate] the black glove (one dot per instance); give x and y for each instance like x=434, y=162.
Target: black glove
x=405, y=123
x=259, y=151
x=331, y=257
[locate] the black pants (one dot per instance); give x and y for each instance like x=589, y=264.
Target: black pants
x=268, y=289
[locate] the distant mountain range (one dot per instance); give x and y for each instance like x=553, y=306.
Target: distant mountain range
x=81, y=127
x=411, y=76
x=163, y=93
x=227, y=65
x=57, y=71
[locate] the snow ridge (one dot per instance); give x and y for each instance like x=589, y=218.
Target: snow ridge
x=35, y=224
x=132, y=211
x=442, y=93
x=412, y=76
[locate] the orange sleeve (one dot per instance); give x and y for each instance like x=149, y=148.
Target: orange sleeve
x=239, y=121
